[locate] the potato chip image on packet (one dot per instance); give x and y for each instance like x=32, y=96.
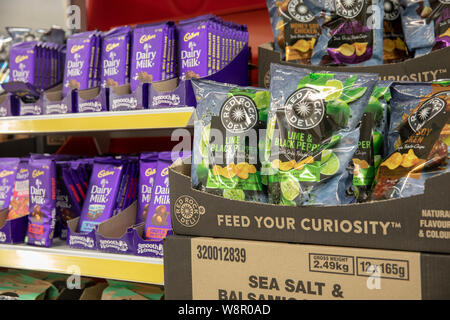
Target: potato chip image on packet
x=229, y=139
x=420, y=140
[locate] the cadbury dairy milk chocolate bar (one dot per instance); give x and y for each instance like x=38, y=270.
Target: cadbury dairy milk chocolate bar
x=131, y=193
x=8, y=171
x=42, y=207
x=22, y=62
x=157, y=222
x=149, y=53
x=18, y=207
x=71, y=189
x=79, y=67
x=102, y=193
x=147, y=174
x=34, y=62
x=125, y=180
x=65, y=208
x=115, y=57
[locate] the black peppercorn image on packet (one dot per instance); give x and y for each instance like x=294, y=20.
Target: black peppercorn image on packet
x=295, y=29
x=419, y=138
x=311, y=133
x=228, y=139
x=351, y=32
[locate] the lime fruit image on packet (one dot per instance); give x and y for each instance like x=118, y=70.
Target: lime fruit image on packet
x=419, y=136
x=311, y=133
x=371, y=146
x=351, y=32
x=228, y=140
x=295, y=29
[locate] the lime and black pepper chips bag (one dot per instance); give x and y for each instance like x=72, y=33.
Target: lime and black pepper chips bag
x=295, y=29
x=42, y=183
x=351, y=32
x=419, y=139
x=228, y=139
x=372, y=142
x=311, y=133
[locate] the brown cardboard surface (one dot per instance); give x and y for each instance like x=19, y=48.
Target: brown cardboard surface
x=166, y=85
x=94, y=292
x=418, y=223
x=117, y=226
x=209, y=268
x=89, y=93
x=55, y=93
x=121, y=90
x=435, y=65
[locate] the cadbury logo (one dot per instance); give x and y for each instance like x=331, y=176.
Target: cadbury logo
x=147, y=37
x=23, y=170
x=5, y=173
x=20, y=58
x=150, y=171
x=37, y=173
x=111, y=46
x=105, y=173
x=165, y=172
x=191, y=35
x=76, y=48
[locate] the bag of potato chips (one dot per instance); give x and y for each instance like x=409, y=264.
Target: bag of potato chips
x=394, y=46
x=420, y=135
x=295, y=29
x=351, y=32
x=371, y=146
x=228, y=138
x=311, y=133
x=426, y=25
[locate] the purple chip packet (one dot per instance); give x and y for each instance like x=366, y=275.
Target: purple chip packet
x=8, y=171
x=42, y=208
x=115, y=57
x=147, y=174
x=102, y=193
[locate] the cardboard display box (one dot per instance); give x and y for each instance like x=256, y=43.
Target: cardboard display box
x=435, y=65
x=418, y=223
x=218, y=269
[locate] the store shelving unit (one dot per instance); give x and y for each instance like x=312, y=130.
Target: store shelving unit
x=62, y=259
x=99, y=121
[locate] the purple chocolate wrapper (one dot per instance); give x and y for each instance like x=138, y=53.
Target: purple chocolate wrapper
x=102, y=193
x=115, y=57
x=157, y=222
x=19, y=204
x=8, y=171
x=147, y=59
x=66, y=209
x=42, y=201
x=147, y=174
x=76, y=199
x=79, y=67
x=22, y=62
